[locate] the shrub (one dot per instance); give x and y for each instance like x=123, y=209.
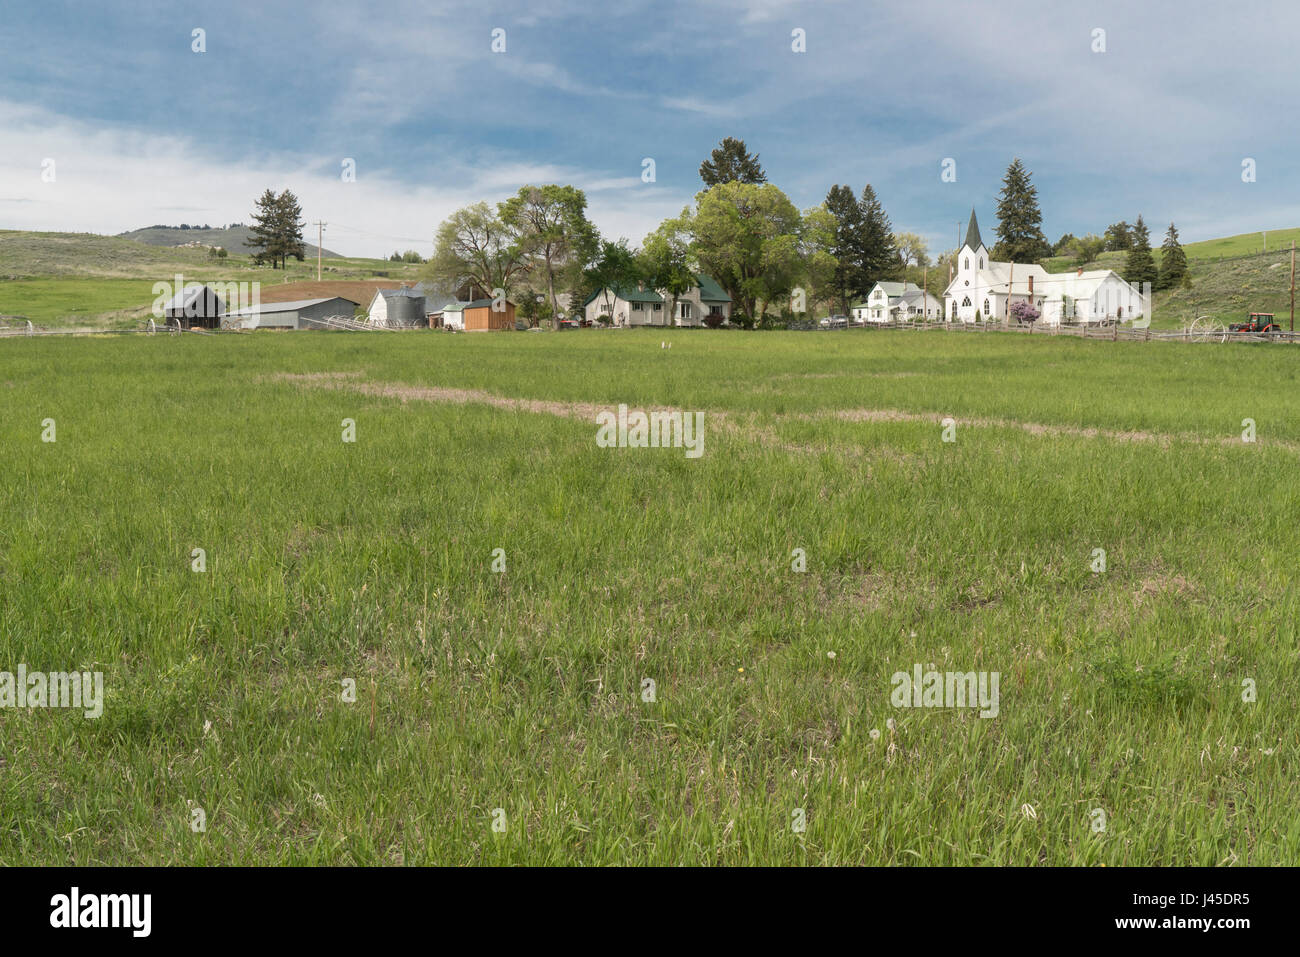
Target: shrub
x=714, y=320
x=1024, y=312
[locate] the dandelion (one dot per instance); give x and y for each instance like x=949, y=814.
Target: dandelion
x=890, y=725
x=830, y=655
x=875, y=734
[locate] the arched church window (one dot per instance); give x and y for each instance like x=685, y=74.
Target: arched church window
x=986, y=307
x=966, y=302
x=967, y=266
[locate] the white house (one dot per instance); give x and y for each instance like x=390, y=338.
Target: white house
x=982, y=290
x=897, y=301
x=642, y=306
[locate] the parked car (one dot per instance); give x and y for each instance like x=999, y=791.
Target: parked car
x=835, y=322
x=567, y=324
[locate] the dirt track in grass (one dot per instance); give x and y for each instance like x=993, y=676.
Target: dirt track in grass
x=356, y=382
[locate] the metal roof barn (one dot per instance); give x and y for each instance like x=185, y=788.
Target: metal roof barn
x=299, y=314
x=195, y=307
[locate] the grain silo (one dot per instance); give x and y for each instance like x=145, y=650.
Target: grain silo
x=405, y=308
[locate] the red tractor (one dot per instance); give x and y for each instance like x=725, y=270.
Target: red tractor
x=1258, y=322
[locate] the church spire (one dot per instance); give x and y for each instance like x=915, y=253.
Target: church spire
x=973, y=232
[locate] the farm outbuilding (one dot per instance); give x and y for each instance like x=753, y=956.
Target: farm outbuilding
x=402, y=308
x=301, y=314
x=451, y=317
x=195, y=307
x=481, y=317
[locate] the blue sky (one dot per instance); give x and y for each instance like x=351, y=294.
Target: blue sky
x=143, y=130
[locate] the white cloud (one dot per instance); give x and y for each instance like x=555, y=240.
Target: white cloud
x=112, y=180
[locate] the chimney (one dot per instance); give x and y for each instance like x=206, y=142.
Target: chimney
x=1031, y=287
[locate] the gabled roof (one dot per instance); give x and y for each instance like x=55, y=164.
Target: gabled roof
x=405, y=292
x=710, y=291
x=973, y=232
x=626, y=294
x=274, y=307
x=892, y=290
x=189, y=295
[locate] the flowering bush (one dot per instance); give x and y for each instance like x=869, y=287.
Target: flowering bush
x=1024, y=312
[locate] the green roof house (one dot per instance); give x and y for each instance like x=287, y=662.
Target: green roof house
x=643, y=306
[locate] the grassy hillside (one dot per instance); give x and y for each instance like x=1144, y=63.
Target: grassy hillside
x=370, y=563
x=84, y=279
x=229, y=239
x=1231, y=277
x=1245, y=244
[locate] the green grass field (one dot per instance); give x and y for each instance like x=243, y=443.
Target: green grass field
x=82, y=280
x=371, y=562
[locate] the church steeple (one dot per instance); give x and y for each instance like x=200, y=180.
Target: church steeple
x=973, y=240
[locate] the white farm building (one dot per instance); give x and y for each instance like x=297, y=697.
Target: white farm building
x=984, y=291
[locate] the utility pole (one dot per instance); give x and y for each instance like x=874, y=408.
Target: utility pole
x=1011, y=285
x=320, y=237
x=1293, y=285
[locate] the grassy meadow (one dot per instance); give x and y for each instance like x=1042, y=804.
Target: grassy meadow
x=371, y=562
x=88, y=281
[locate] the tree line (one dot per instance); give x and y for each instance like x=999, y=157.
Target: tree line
x=771, y=258
x=742, y=231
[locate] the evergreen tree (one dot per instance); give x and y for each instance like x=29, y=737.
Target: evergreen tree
x=1173, y=261
x=263, y=241
x=1119, y=237
x=1020, y=222
x=1141, y=265
x=849, y=276
x=731, y=162
x=277, y=229
x=290, y=225
x=879, y=252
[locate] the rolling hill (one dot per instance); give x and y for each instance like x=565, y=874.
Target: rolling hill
x=85, y=279
x=231, y=239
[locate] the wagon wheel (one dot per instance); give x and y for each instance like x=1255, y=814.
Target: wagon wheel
x=1207, y=328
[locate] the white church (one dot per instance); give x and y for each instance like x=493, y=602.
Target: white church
x=984, y=291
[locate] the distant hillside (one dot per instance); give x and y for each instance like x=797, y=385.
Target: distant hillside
x=31, y=255
x=232, y=240
x=1231, y=277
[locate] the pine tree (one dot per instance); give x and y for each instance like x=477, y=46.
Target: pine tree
x=263, y=242
x=290, y=223
x=1173, y=261
x=1020, y=222
x=277, y=229
x=879, y=253
x=1141, y=265
x=730, y=162
x=849, y=279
